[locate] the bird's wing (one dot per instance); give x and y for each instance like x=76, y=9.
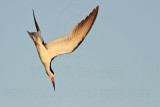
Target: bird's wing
x=69, y=43
x=38, y=29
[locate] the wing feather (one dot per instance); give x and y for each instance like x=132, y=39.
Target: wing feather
x=70, y=43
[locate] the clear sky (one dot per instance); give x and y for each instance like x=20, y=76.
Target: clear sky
x=117, y=65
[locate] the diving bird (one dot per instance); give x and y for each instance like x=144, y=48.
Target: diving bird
x=67, y=44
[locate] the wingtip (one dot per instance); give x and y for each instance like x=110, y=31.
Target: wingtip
x=36, y=24
x=33, y=12
x=97, y=8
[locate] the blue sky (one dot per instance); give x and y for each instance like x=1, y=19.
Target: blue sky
x=117, y=65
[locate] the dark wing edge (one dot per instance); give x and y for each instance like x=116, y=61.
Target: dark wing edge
x=36, y=24
x=37, y=27
x=83, y=23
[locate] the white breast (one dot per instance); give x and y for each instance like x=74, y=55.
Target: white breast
x=43, y=54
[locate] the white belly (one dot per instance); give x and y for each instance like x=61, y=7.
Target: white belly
x=43, y=54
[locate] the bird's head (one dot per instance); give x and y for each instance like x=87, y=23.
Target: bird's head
x=36, y=36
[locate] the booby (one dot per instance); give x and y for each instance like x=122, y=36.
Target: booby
x=67, y=44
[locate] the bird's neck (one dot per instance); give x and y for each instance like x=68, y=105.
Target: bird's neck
x=48, y=70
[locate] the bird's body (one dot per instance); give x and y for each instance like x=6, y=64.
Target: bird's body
x=45, y=58
x=47, y=52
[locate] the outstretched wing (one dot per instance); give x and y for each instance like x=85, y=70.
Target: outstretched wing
x=70, y=43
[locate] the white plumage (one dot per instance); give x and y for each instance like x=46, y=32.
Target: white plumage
x=47, y=52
